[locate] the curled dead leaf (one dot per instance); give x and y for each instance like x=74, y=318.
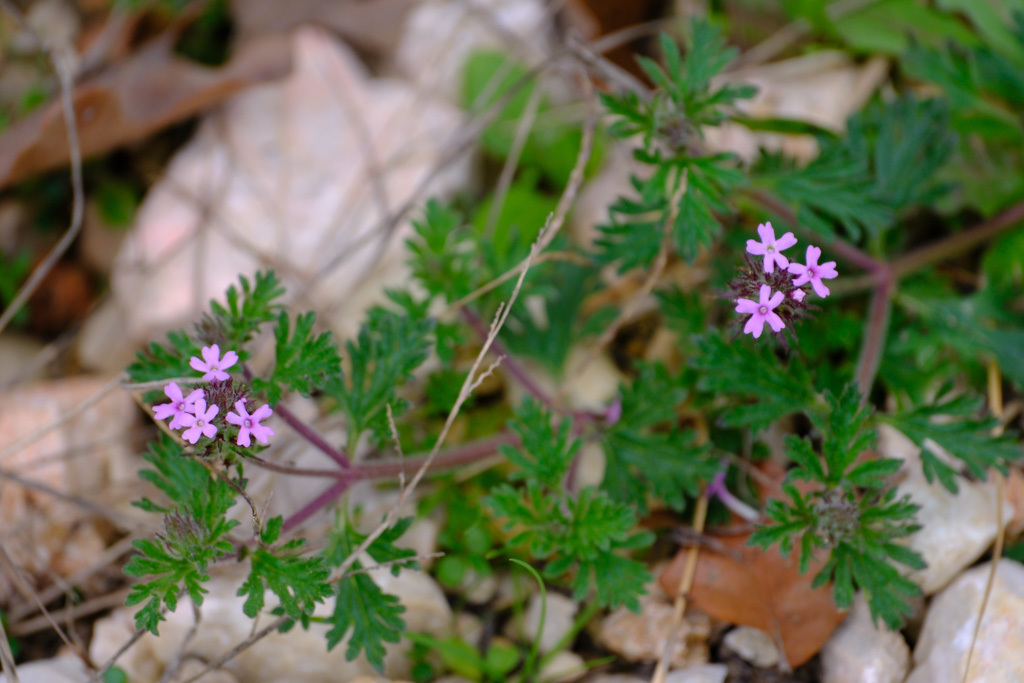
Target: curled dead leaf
x=134, y=98
x=747, y=586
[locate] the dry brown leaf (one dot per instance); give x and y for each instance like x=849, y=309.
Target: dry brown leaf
x=134, y=98
x=747, y=586
x=374, y=26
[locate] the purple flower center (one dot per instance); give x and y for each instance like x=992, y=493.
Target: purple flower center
x=180, y=405
x=763, y=310
x=248, y=424
x=812, y=272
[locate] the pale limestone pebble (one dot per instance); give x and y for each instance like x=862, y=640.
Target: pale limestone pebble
x=64, y=669
x=941, y=652
x=375, y=679
x=595, y=380
x=705, y=673
x=468, y=627
x=479, y=590
x=437, y=66
x=88, y=455
x=957, y=527
x=618, y=678
x=559, y=616
x=513, y=588
x=642, y=637
x=19, y=358
x=295, y=655
x=190, y=668
x=823, y=88
x=860, y=651
x=590, y=465
x=563, y=667
x=285, y=175
x=752, y=645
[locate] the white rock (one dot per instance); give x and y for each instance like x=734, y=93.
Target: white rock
x=618, y=678
x=564, y=667
x=558, y=621
x=941, y=651
x=298, y=655
x=437, y=65
x=706, y=673
x=84, y=454
x=753, y=645
x=823, y=88
x=957, y=528
x=642, y=637
x=862, y=652
x=298, y=175
x=19, y=358
x=58, y=670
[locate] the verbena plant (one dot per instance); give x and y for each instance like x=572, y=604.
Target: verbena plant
x=774, y=337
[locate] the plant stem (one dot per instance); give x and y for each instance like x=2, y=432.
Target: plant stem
x=310, y=435
x=456, y=457
x=304, y=430
x=510, y=364
x=955, y=244
x=874, y=332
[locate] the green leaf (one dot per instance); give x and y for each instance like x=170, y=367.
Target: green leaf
x=739, y=370
x=389, y=347
x=246, y=309
x=888, y=162
x=304, y=361
x=364, y=613
x=161, y=361
x=298, y=582
x=195, y=533
x=883, y=26
x=958, y=431
x=442, y=252
x=644, y=451
x=545, y=452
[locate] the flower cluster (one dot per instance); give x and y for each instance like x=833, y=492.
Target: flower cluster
x=192, y=412
x=780, y=294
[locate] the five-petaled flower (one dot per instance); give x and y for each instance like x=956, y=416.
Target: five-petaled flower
x=198, y=422
x=813, y=273
x=770, y=247
x=250, y=424
x=212, y=364
x=761, y=312
x=179, y=406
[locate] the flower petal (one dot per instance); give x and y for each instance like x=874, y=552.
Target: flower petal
x=775, y=321
x=785, y=242
x=813, y=254
x=262, y=413
x=767, y=233
x=776, y=300
x=819, y=287
x=754, y=326
x=754, y=247
x=746, y=306
x=765, y=294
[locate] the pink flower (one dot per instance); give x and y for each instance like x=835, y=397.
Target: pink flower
x=199, y=422
x=179, y=405
x=771, y=248
x=214, y=366
x=761, y=312
x=250, y=424
x=814, y=273
x=798, y=295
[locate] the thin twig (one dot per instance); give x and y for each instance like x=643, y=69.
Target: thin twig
x=995, y=405
x=685, y=584
x=62, y=62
